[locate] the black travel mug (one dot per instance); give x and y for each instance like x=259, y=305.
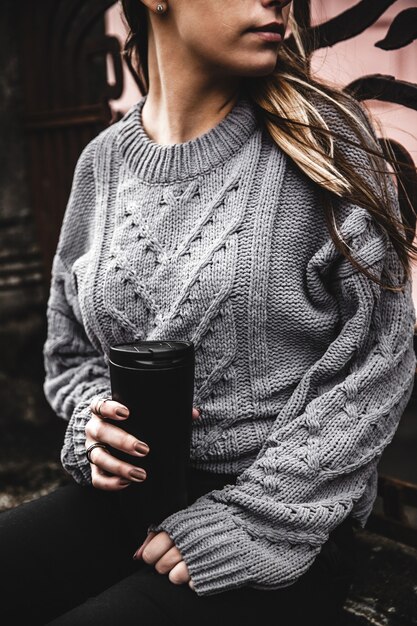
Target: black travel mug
x=155, y=380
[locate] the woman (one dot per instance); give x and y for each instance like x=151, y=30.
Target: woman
x=245, y=206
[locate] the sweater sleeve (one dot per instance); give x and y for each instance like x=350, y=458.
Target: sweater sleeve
x=322, y=450
x=75, y=371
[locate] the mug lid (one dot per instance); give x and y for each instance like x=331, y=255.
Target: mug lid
x=150, y=351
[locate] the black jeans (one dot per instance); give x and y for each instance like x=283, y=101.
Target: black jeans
x=67, y=560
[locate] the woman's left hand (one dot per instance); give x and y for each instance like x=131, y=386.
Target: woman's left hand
x=159, y=550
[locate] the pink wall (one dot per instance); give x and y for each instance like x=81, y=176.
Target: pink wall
x=348, y=60
x=340, y=64
x=357, y=57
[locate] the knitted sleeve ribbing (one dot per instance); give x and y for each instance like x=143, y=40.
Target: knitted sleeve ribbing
x=266, y=530
x=75, y=372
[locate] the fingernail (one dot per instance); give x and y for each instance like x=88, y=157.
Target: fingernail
x=135, y=556
x=125, y=482
x=141, y=447
x=122, y=412
x=137, y=474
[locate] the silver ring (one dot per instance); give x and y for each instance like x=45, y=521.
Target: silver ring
x=91, y=448
x=99, y=404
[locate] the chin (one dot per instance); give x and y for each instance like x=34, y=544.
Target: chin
x=261, y=69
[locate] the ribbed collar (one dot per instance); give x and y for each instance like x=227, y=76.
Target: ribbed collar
x=169, y=163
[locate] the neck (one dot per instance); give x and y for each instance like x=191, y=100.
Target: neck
x=185, y=99
x=170, y=118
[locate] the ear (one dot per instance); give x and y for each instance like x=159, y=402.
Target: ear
x=152, y=4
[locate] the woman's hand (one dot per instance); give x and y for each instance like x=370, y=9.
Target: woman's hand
x=108, y=472
x=159, y=550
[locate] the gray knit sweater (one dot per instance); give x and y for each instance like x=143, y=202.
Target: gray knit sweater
x=303, y=365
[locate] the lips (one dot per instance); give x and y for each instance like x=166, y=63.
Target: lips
x=274, y=27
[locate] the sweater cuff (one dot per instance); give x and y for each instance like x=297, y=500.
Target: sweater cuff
x=73, y=452
x=218, y=557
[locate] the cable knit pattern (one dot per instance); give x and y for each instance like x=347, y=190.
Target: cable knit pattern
x=303, y=365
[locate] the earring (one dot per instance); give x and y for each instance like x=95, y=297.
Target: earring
x=160, y=8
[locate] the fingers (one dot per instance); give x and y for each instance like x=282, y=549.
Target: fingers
x=110, y=434
x=179, y=574
x=108, y=472
x=156, y=548
x=107, y=483
x=106, y=462
x=107, y=408
x=159, y=550
x=168, y=561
